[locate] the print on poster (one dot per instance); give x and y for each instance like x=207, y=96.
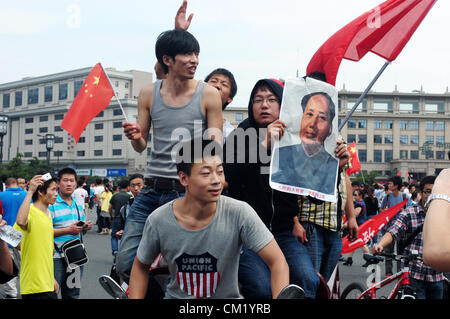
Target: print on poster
x=303, y=160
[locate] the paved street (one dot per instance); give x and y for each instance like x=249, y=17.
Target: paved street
x=100, y=260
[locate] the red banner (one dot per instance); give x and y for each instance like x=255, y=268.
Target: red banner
x=354, y=160
x=369, y=228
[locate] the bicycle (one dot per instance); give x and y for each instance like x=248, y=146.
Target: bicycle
x=402, y=289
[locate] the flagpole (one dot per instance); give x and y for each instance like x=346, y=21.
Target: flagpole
x=363, y=95
x=110, y=83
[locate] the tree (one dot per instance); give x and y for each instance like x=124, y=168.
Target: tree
x=19, y=168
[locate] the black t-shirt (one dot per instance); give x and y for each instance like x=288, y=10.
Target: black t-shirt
x=118, y=200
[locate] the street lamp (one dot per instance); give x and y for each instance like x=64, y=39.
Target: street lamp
x=3, y=130
x=50, y=141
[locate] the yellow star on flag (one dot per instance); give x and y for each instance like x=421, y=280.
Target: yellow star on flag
x=352, y=150
x=96, y=80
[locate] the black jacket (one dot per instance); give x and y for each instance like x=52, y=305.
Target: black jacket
x=247, y=183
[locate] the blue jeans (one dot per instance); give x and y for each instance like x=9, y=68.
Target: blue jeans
x=427, y=289
x=324, y=247
x=69, y=281
x=114, y=240
x=146, y=202
x=254, y=275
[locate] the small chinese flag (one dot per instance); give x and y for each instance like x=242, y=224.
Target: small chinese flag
x=93, y=97
x=354, y=160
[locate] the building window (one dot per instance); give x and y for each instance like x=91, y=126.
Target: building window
x=98, y=152
x=80, y=153
x=42, y=154
x=48, y=93
x=43, y=129
x=57, y=153
x=413, y=125
x=98, y=126
x=63, y=91
x=82, y=139
x=381, y=106
x=388, y=139
x=117, y=124
x=429, y=139
x=409, y=107
x=101, y=114
x=362, y=123
x=403, y=154
x=403, y=125
x=387, y=156
x=440, y=141
x=434, y=108
x=377, y=124
x=28, y=154
x=29, y=120
x=117, y=83
x=362, y=156
x=429, y=125
x=362, y=107
x=98, y=138
x=28, y=142
x=58, y=140
x=388, y=124
x=239, y=117
x=378, y=139
x=439, y=126
x=18, y=98
x=58, y=128
x=6, y=100
x=59, y=117
x=117, y=112
x=43, y=118
x=351, y=123
x=351, y=138
x=414, y=154
x=377, y=156
x=127, y=85
x=76, y=87
x=117, y=137
x=414, y=139
x=33, y=96
x=404, y=139
x=28, y=131
x=429, y=155
x=362, y=138
x=440, y=155
x=117, y=152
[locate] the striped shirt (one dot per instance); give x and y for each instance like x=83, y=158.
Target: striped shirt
x=64, y=215
x=325, y=214
x=404, y=225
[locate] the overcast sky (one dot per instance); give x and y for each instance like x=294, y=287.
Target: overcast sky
x=253, y=39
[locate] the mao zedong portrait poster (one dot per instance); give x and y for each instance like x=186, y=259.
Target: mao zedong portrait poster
x=303, y=160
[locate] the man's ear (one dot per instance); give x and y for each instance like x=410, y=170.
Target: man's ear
x=167, y=60
x=183, y=178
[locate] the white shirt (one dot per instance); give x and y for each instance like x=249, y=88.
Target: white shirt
x=80, y=195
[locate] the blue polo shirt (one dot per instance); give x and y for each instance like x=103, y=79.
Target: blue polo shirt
x=12, y=198
x=64, y=215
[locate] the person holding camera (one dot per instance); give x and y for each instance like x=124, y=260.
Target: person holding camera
x=37, y=279
x=69, y=221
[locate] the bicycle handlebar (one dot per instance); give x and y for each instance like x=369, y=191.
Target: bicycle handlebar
x=414, y=256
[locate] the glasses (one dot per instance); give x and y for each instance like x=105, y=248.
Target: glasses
x=270, y=100
x=428, y=191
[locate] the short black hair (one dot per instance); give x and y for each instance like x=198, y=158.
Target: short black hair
x=173, y=42
x=331, y=106
x=124, y=183
x=356, y=183
x=80, y=182
x=317, y=76
x=43, y=188
x=67, y=170
x=397, y=180
x=230, y=76
x=188, y=153
x=134, y=176
x=426, y=180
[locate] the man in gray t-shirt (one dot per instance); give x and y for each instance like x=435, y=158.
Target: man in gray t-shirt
x=201, y=235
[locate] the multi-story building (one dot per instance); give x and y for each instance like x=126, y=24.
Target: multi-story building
x=394, y=132
x=36, y=106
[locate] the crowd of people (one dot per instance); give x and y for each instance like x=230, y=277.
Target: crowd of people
x=250, y=243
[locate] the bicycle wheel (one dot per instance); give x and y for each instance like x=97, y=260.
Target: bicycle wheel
x=352, y=291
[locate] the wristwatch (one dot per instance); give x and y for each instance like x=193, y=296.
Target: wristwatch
x=438, y=196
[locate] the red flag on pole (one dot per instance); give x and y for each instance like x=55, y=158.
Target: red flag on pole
x=93, y=97
x=384, y=30
x=369, y=228
x=354, y=160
